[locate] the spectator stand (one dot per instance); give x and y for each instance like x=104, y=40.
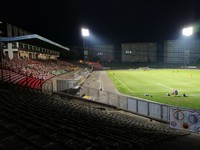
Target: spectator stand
x=28, y=69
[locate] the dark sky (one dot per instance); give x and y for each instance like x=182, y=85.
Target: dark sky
x=109, y=21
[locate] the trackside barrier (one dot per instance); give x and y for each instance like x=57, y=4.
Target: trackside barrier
x=146, y=108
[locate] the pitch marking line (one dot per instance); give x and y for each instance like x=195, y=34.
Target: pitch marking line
x=165, y=86
x=123, y=84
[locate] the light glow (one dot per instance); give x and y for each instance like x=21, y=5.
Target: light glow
x=187, y=31
x=85, y=32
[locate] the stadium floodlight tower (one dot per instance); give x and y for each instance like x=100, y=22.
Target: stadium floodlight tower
x=187, y=31
x=85, y=33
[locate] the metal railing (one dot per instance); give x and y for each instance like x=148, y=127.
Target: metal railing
x=143, y=107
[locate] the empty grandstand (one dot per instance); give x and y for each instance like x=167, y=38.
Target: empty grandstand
x=36, y=121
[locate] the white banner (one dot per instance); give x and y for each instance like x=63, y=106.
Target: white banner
x=182, y=119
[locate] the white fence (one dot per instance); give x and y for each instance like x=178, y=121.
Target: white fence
x=143, y=107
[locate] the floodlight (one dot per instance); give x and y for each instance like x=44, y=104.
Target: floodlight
x=187, y=31
x=85, y=32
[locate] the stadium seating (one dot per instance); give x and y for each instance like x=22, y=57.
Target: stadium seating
x=30, y=120
x=33, y=73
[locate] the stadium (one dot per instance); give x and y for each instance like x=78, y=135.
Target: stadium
x=53, y=103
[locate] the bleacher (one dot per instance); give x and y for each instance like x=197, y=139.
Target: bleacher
x=33, y=73
x=30, y=120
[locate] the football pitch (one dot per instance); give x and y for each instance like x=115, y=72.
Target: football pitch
x=157, y=82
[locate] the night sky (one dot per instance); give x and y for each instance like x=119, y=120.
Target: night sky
x=109, y=21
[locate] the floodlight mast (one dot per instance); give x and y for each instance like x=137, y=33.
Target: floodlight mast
x=187, y=31
x=85, y=33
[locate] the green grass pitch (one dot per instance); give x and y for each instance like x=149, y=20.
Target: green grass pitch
x=158, y=82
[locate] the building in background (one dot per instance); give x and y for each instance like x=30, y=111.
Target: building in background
x=8, y=30
x=103, y=53
x=182, y=51
x=27, y=49
x=18, y=50
x=139, y=52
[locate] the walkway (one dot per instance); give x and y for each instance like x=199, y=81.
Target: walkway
x=100, y=80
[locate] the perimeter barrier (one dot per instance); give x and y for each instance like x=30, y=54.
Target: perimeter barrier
x=136, y=105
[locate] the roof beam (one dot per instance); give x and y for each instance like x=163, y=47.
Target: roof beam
x=31, y=37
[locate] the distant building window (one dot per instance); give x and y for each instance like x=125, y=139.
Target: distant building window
x=40, y=49
x=21, y=45
x=26, y=46
x=99, y=53
x=128, y=52
x=14, y=45
x=5, y=46
x=30, y=47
